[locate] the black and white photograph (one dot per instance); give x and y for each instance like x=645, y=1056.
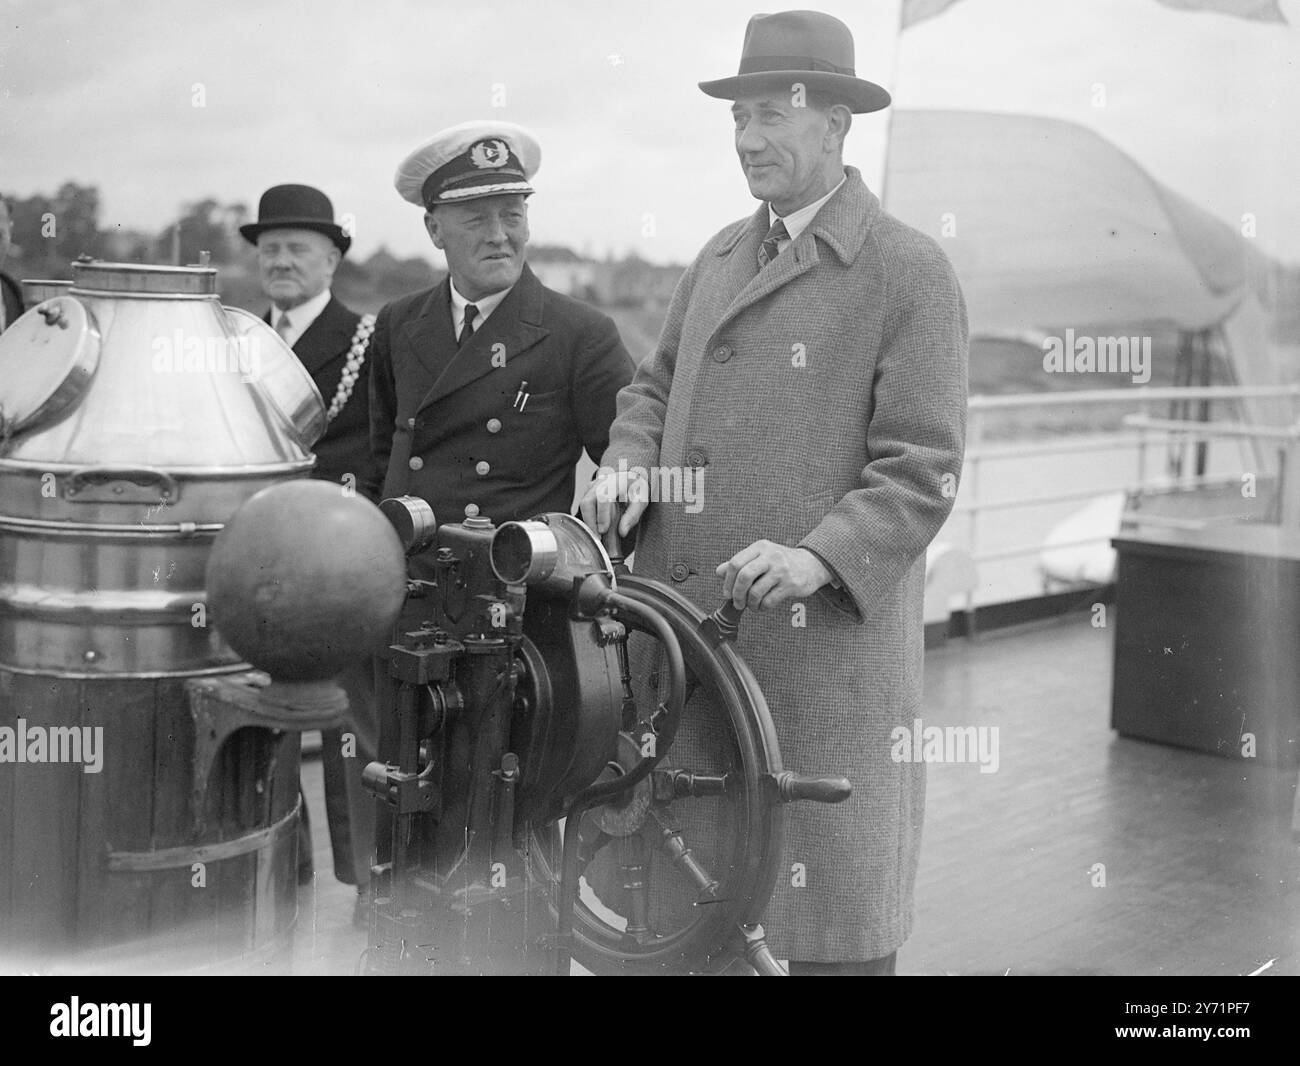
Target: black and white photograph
x=626, y=489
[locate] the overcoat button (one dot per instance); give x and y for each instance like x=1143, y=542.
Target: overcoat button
x=416, y=463
x=494, y=425
x=722, y=353
x=482, y=469
x=696, y=458
x=471, y=510
x=679, y=572
x=410, y=423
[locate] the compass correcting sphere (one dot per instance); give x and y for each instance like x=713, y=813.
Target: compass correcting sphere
x=306, y=578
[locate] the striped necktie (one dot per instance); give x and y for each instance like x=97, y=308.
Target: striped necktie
x=771, y=243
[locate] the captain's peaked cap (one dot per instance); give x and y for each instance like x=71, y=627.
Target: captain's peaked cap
x=468, y=162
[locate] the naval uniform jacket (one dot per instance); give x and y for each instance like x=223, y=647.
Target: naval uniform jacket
x=344, y=448
x=824, y=399
x=495, y=428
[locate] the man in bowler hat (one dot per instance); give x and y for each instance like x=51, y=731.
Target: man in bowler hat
x=299, y=247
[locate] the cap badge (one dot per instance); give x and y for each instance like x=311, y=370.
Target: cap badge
x=487, y=154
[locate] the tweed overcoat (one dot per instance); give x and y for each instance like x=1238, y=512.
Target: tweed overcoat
x=824, y=400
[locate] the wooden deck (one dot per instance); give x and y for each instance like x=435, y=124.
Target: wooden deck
x=325, y=941
x=1202, y=875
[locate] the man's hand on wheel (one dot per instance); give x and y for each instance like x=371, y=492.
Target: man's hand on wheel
x=611, y=486
x=767, y=574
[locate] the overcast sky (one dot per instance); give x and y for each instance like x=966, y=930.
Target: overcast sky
x=335, y=92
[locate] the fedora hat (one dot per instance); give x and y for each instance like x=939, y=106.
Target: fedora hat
x=296, y=207
x=808, y=47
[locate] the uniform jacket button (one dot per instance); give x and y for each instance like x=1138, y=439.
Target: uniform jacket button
x=410, y=423
x=416, y=463
x=696, y=458
x=679, y=572
x=471, y=510
x=482, y=469
x=722, y=353
x=494, y=425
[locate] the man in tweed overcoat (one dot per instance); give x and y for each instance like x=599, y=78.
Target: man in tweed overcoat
x=815, y=373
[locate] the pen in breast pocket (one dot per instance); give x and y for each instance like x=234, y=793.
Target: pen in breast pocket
x=521, y=397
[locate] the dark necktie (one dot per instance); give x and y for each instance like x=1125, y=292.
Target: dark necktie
x=467, y=330
x=771, y=243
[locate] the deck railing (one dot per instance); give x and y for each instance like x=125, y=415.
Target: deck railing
x=1142, y=429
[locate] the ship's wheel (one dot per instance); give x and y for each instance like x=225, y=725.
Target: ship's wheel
x=672, y=875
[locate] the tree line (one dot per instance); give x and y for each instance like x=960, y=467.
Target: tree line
x=50, y=232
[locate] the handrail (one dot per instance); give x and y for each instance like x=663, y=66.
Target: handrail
x=1155, y=485
x=1150, y=431
x=1094, y=441
x=1167, y=520
x=1214, y=429
x=1142, y=394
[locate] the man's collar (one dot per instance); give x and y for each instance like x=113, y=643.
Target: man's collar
x=797, y=221
x=305, y=313
x=843, y=223
x=526, y=298
x=485, y=306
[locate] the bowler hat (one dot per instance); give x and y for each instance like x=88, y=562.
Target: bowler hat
x=296, y=207
x=807, y=47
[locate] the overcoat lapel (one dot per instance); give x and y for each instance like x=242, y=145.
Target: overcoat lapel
x=512, y=329
x=429, y=334
x=740, y=255
x=746, y=280
x=843, y=223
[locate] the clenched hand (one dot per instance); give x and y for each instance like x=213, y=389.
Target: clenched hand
x=767, y=574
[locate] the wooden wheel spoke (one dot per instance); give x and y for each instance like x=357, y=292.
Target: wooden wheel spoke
x=591, y=838
x=634, y=874
x=672, y=783
x=670, y=840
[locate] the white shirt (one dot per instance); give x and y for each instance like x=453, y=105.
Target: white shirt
x=797, y=221
x=300, y=317
x=485, y=308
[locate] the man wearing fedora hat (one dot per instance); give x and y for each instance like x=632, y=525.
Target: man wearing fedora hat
x=299, y=247
x=814, y=361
